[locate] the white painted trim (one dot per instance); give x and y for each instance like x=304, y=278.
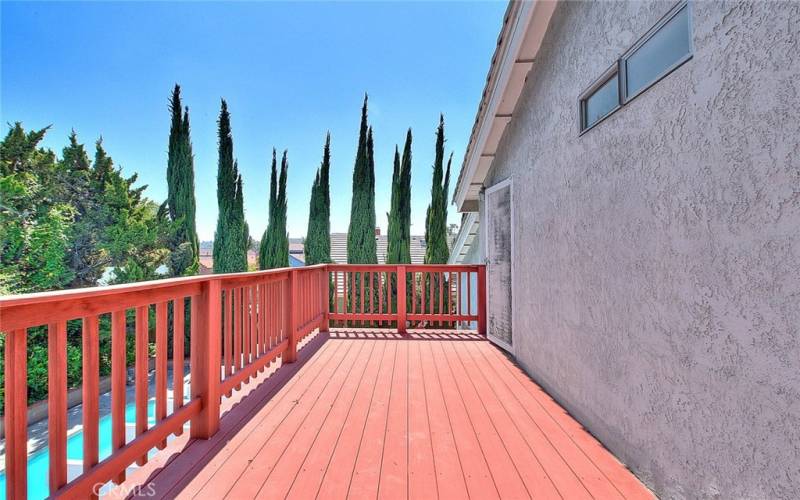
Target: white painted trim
x=504, y=72
x=500, y=185
x=461, y=237
x=531, y=16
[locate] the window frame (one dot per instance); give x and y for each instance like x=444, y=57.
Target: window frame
x=625, y=96
x=608, y=74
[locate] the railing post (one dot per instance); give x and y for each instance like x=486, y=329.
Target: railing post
x=325, y=292
x=205, y=360
x=482, y=300
x=290, y=323
x=401, y=300
x=16, y=414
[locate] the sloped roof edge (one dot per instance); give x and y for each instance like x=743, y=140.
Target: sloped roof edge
x=524, y=26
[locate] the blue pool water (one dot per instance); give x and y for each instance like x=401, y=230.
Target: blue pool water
x=39, y=462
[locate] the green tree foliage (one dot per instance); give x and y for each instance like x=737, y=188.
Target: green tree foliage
x=361, y=247
x=399, y=245
x=181, y=203
x=274, y=250
x=63, y=224
x=318, y=237
x=232, y=236
x=437, y=251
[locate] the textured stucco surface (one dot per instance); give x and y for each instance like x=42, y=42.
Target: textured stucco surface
x=657, y=273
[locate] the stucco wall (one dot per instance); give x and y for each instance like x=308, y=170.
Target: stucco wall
x=657, y=273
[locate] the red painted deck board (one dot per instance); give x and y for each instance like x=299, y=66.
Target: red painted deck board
x=362, y=416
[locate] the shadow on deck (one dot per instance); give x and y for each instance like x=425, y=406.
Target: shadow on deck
x=366, y=413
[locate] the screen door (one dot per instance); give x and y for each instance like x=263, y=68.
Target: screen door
x=499, y=254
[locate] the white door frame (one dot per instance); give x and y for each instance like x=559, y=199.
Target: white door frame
x=500, y=185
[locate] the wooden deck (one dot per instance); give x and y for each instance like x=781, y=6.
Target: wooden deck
x=369, y=414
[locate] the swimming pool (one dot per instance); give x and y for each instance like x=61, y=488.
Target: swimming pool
x=39, y=462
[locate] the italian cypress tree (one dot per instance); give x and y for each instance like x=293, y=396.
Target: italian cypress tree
x=274, y=250
x=399, y=248
x=437, y=251
x=318, y=240
x=180, y=190
x=282, y=236
x=231, y=237
x=361, y=248
x=266, y=239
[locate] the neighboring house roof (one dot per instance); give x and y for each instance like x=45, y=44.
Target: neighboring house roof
x=524, y=26
x=339, y=248
x=297, y=250
x=207, y=259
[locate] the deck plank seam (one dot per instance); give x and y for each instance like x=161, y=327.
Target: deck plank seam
x=314, y=359
x=349, y=408
x=512, y=419
x=386, y=419
x=364, y=425
x=418, y=350
x=483, y=456
x=471, y=420
x=488, y=417
x=577, y=445
x=548, y=438
x=256, y=424
x=311, y=409
x=287, y=415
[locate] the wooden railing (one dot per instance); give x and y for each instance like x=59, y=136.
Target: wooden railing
x=237, y=324
x=435, y=296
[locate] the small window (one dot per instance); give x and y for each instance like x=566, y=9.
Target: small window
x=600, y=100
x=665, y=47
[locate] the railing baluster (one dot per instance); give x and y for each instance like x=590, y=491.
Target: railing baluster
x=458, y=294
x=57, y=403
x=401, y=300
x=227, y=335
x=253, y=323
x=161, y=366
x=290, y=318
x=469, y=293
x=142, y=327
x=262, y=319
x=178, y=353
x=118, y=377
x=352, y=295
x=16, y=417
x=245, y=326
x=237, y=331
x=422, y=295
x=91, y=391
x=440, y=277
x=413, y=292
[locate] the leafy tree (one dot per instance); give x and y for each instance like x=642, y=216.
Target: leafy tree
x=318, y=237
x=64, y=223
x=437, y=251
x=231, y=238
x=180, y=191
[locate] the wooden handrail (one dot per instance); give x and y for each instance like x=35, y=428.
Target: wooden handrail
x=238, y=323
x=370, y=295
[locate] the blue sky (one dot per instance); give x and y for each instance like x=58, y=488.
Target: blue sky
x=289, y=71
